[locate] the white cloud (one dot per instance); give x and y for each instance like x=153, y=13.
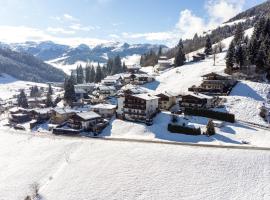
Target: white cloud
x=9, y=34
x=222, y=10
x=218, y=11
x=57, y=30
x=69, y=17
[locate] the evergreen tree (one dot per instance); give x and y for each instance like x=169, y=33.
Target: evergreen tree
x=70, y=95
x=117, y=65
x=34, y=91
x=22, y=100
x=239, y=35
x=160, y=51
x=208, y=46
x=124, y=67
x=87, y=74
x=261, y=57
x=210, y=128
x=240, y=56
x=92, y=75
x=50, y=90
x=109, y=66
x=80, y=75
x=49, y=102
x=98, y=77
x=230, y=57
x=180, y=57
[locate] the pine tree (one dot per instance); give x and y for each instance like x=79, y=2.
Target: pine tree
x=230, y=58
x=70, y=95
x=208, y=46
x=160, y=51
x=239, y=35
x=49, y=102
x=87, y=74
x=117, y=65
x=124, y=67
x=240, y=56
x=98, y=76
x=34, y=91
x=210, y=128
x=50, y=90
x=22, y=100
x=260, y=60
x=80, y=75
x=92, y=75
x=180, y=56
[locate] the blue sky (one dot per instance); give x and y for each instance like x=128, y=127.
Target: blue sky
x=96, y=21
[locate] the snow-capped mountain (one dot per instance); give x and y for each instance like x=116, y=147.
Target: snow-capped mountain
x=68, y=55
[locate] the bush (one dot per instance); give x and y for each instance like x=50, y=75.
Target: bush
x=227, y=117
x=184, y=130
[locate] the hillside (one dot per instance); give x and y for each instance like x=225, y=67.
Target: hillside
x=27, y=67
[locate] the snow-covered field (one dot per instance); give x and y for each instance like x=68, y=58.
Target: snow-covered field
x=10, y=86
x=69, y=168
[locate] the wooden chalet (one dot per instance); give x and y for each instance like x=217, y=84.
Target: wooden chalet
x=166, y=100
x=196, y=100
x=215, y=84
x=87, y=121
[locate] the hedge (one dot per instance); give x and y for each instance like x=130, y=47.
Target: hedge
x=184, y=130
x=227, y=117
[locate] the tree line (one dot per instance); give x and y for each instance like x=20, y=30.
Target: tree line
x=244, y=52
x=92, y=74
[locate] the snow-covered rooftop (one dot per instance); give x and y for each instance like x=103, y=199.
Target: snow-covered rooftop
x=146, y=96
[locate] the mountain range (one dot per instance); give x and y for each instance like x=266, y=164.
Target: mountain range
x=67, y=55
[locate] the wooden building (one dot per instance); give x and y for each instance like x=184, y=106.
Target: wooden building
x=61, y=115
x=166, y=100
x=138, y=107
x=197, y=100
x=87, y=121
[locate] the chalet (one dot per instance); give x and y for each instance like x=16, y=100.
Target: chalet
x=105, y=110
x=37, y=102
x=163, y=63
x=141, y=79
x=19, y=116
x=88, y=87
x=133, y=68
x=215, y=84
x=138, y=107
x=115, y=80
x=127, y=78
x=41, y=114
x=104, y=91
x=87, y=121
x=166, y=100
x=198, y=57
x=61, y=115
x=80, y=94
x=197, y=100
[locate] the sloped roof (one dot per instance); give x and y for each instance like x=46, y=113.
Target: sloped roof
x=88, y=115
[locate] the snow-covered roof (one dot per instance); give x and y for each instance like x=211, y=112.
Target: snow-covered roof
x=64, y=110
x=146, y=96
x=106, y=88
x=80, y=90
x=200, y=96
x=104, y=106
x=88, y=115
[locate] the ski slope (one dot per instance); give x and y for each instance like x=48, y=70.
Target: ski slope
x=69, y=168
